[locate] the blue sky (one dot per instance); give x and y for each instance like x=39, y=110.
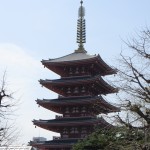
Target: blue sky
x=32, y=30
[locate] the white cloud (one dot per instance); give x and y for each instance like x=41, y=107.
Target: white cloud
x=12, y=54
x=23, y=73
x=15, y=59
x=19, y=65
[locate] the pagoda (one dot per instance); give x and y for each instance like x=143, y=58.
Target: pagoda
x=80, y=89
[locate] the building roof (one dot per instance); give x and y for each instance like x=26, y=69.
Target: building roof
x=55, y=124
x=93, y=62
x=57, y=104
x=94, y=84
x=74, y=79
x=54, y=143
x=71, y=57
x=15, y=147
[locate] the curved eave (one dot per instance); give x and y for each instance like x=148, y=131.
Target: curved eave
x=101, y=86
x=73, y=57
x=56, y=124
x=47, y=146
x=97, y=60
x=61, y=143
x=108, y=68
x=53, y=146
x=48, y=63
x=57, y=105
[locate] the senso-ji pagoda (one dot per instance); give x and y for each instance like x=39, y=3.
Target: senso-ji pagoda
x=80, y=89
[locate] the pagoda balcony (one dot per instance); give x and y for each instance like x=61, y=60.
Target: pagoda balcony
x=56, y=137
x=58, y=116
x=74, y=86
x=55, y=125
x=58, y=105
x=56, y=143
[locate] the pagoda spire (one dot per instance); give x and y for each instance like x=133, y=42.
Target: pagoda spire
x=81, y=31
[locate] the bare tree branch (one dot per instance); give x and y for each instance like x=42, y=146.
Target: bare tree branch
x=8, y=133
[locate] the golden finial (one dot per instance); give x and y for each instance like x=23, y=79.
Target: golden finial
x=81, y=33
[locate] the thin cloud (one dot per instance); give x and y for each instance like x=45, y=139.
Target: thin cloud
x=23, y=73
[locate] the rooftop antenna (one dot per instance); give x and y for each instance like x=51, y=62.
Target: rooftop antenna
x=81, y=32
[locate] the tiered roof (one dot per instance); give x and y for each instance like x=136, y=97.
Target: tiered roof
x=55, y=124
x=57, y=105
x=80, y=88
x=57, y=143
x=95, y=84
x=95, y=63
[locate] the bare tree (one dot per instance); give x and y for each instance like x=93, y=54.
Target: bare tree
x=134, y=84
x=8, y=132
x=133, y=79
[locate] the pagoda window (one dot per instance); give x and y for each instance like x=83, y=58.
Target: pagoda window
x=70, y=71
x=83, y=70
x=75, y=110
x=67, y=110
x=92, y=66
x=77, y=70
x=68, y=90
x=74, y=130
x=83, y=89
x=65, y=131
x=83, y=109
x=76, y=90
x=84, y=130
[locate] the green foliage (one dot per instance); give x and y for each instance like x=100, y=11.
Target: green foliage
x=115, y=139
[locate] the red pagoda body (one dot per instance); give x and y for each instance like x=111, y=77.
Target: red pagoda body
x=80, y=90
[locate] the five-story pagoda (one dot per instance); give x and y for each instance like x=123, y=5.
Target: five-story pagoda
x=80, y=88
